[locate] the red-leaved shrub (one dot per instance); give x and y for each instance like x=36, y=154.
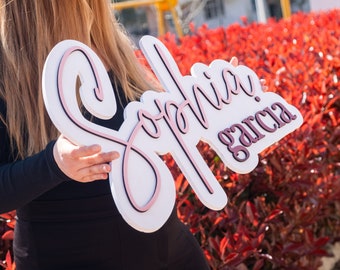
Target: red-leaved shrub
x=284, y=213
x=7, y=224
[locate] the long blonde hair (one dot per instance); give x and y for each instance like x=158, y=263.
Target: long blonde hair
x=29, y=30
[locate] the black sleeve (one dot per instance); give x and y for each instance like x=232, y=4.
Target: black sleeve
x=22, y=181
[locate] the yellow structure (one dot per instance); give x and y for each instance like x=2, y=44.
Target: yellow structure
x=161, y=7
x=285, y=6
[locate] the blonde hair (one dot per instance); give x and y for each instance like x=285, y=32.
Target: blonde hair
x=29, y=30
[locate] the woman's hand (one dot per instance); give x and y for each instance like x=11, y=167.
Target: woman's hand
x=82, y=163
x=234, y=62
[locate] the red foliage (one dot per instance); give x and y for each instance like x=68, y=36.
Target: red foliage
x=7, y=224
x=284, y=213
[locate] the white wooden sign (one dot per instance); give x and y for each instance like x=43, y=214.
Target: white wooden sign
x=220, y=104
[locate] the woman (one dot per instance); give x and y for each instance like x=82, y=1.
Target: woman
x=66, y=217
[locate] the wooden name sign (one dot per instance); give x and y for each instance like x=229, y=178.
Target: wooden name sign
x=220, y=104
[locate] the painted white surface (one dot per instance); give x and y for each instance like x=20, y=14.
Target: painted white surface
x=317, y=5
x=261, y=11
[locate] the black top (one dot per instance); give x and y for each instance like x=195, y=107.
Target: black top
x=65, y=224
x=38, y=178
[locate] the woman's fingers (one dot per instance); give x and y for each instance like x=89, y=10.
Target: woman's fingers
x=263, y=85
x=93, y=156
x=83, y=151
x=96, y=167
x=234, y=61
x=95, y=172
x=82, y=163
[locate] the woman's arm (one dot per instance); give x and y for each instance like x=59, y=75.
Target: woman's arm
x=23, y=181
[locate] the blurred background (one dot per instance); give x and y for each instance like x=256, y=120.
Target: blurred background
x=155, y=17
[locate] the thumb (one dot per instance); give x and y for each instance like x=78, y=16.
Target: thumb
x=234, y=61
